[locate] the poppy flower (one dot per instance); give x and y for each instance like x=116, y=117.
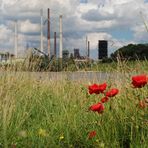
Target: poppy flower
x=139, y=81
x=93, y=89
x=99, y=107
x=105, y=99
x=112, y=92
x=96, y=89
x=92, y=134
x=102, y=87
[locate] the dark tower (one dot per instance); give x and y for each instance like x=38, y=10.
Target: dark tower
x=76, y=54
x=102, y=49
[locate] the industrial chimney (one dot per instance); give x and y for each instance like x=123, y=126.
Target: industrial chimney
x=55, y=47
x=61, y=38
x=48, y=34
x=41, y=42
x=88, y=52
x=16, y=40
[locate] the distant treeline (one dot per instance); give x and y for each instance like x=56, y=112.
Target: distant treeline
x=131, y=52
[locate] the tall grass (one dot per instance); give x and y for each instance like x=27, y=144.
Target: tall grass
x=37, y=112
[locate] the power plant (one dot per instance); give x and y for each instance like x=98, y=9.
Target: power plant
x=52, y=50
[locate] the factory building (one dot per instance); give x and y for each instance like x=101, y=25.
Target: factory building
x=102, y=49
x=76, y=54
x=6, y=56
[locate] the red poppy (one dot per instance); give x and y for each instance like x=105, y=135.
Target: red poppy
x=102, y=87
x=92, y=134
x=112, y=92
x=105, y=99
x=99, y=107
x=139, y=81
x=96, y=89
x=93, y=89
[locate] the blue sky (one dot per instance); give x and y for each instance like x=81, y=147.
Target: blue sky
x=83, y=1
x=118, y=21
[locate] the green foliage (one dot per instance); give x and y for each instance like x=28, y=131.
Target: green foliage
x=36, y=63
x=132, y=52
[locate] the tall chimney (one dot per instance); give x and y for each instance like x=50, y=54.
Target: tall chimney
x=16, y=41
x=61, y=38
x=86, y=46
x=88, y=52
x=55, y=50
x=41, y=42
x=48, y=35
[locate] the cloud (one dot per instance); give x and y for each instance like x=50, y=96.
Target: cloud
x=115, y=10
x=28, y=27
x=140, y=33
x=6, y=40
x=97, y=19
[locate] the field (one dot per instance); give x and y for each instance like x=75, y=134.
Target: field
x=47, y=113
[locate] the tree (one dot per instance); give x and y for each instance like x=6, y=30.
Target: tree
x=132, y=52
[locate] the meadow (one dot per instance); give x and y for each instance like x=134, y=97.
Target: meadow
x=55, y=114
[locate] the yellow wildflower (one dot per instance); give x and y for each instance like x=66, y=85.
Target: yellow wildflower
x=42, y=132
x=102, y=145
x=61, y=137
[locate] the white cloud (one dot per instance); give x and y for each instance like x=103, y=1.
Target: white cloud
x=97, y=19
x=28, y=27
x=140, y=33
x=6, y=37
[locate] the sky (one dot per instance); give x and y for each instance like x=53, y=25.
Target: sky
x=121, y=22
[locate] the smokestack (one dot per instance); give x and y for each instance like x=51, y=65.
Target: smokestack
x=88, y=52
x=48, y=36
x=41, y=43
x=86, y=46
x=55, y=50
x=61, y=38
x=16, y=41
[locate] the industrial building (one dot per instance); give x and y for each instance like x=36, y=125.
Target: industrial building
x=102, y=49
x=76, y=53
x=4, y=57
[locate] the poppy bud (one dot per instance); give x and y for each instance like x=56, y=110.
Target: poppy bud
x=105, y=99
x=92, y=134
x=112, y=92
x=99, y=107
